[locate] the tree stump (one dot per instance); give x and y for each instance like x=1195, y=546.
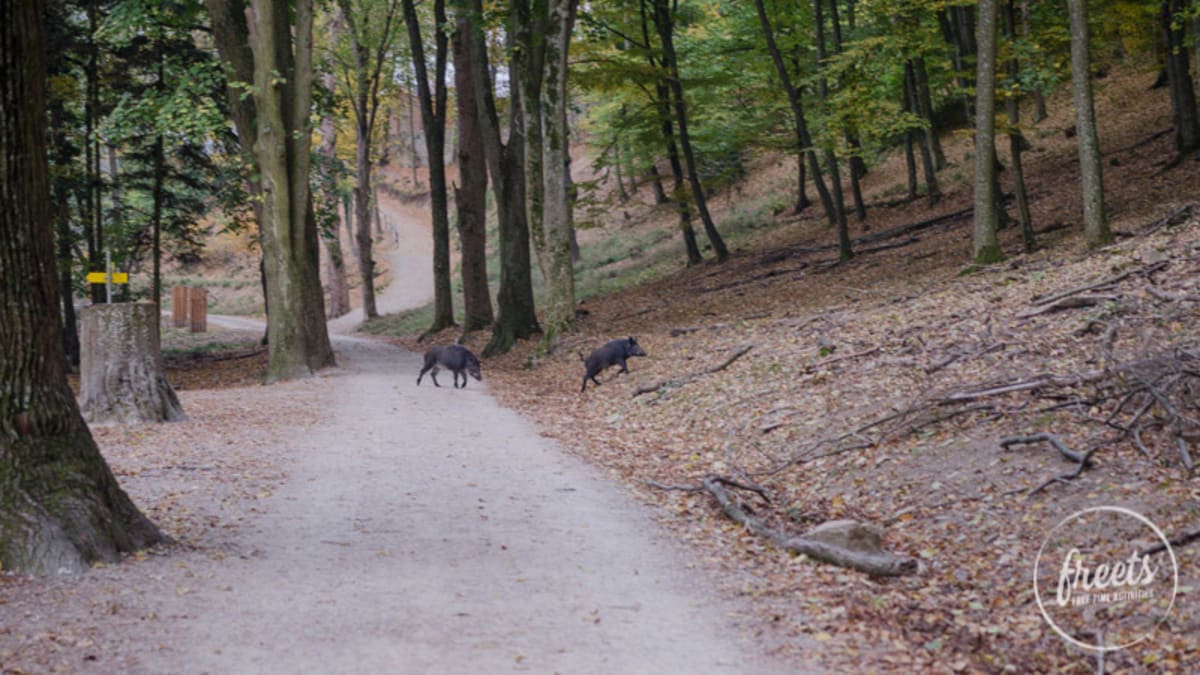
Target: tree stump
x=122, y=378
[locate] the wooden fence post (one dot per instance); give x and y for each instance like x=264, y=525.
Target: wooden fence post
x=179, y=306
x=199, y=310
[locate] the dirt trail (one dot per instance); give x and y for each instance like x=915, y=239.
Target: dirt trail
x=406, y=230
x=431, y=530
x=409, y=530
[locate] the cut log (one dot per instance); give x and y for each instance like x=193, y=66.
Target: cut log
x=844, y=543
x=122, y=378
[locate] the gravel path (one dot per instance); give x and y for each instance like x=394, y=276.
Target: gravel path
x=431, y=531
x=386, y=528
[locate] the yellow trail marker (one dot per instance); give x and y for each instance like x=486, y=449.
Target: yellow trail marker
x=101, y=277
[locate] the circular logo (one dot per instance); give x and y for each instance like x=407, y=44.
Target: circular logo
x=1101, y=579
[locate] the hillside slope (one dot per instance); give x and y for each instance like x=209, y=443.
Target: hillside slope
x=859, y=398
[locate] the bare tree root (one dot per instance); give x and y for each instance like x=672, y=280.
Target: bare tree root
x=1081, y=459
x=842, y=543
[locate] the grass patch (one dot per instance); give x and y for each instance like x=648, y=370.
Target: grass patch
x=409, y=322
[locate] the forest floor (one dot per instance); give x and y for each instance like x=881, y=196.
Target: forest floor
x=872, y=390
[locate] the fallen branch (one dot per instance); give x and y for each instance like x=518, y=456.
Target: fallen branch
x=1082, y=459
x=726, y=363
x=1147, y=269
x=1176, y=541
x=1077, y=457
x=651, y=388
x=1070, y=302
x=842, y=543
x=845, y=357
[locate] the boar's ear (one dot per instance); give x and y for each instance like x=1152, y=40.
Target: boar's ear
x=632, y=340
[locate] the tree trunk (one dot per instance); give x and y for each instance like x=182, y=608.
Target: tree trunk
x=471, y=199
x=858, y=167
x=845, y=252
x=1015, y=139
x=364, y=104
x=433, y=121
x=60, y=506
x=121, y=375
x=335, y=270
x=924, y=103
x=804, y=143
x=557, y=220
x=691, y=246
x=660, y=195
x=1095, y=221
x=928, y=137
x=986, y=248
x=273, y=126
x=516, y=319
x=666, y=27
x=1179, y=78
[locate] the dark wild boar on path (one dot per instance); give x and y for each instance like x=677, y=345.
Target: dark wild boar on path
x=454, y=358
x=612, y=354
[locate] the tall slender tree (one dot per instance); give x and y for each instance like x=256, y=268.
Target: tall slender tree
x=516, y=318
x=371, y=30
x=1172, y=17
x=804, y=142
x=1095, y=221
x=60, y=506
x=986, y=245
x=471, y=199
x=432, y=97
x=845, y=251
x=664, y=21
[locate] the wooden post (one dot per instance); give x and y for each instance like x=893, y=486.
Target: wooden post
x=179, y=306
x=121, y=372
x=199, y=310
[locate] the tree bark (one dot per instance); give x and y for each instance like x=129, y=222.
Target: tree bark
x=1179, y=78
x=924, y=102
x=433, y=121
x=516, y=318
x=335, y=270
x=1095, y=221
x=60, y=506
x=1015, y=140
x=471, y=199
x=557, y=217
x=986, y=247
x=665, y=23
x=928, y=137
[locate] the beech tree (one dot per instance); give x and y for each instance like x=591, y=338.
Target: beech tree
x=515, y=315
x=986, y=245
x=371, y=30
x=470, y=199
x=60, y=505
x=432, y=97
x=1095, y=221
x=270, y=72
x=542, y=33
